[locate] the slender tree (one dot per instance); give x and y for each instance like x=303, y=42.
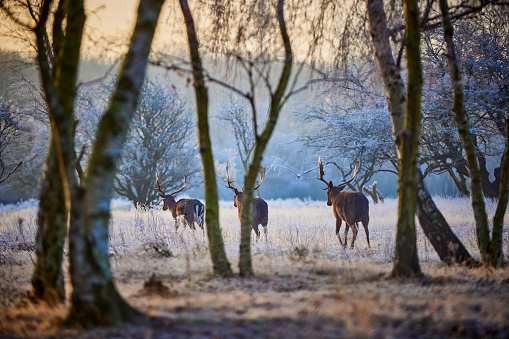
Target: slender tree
x=406, y=262
x=276, y=104
x=95, y=300
x=57, y=56
x=497, y=255
x=220, y=263
x=445, y=242
x=491, y=251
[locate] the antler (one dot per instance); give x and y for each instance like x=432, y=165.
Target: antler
x=356, y=169
x=158, y=183
x=320, y=169
x=186, y=181
x=262, y=176
x=228, y=180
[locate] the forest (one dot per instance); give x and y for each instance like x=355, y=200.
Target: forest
x=137, y=164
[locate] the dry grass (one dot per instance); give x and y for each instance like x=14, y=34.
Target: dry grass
x=306, y=285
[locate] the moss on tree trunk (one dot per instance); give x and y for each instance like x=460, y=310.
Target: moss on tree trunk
x=95, y=300
x=47, y=278
x=220, y=263
x=431, y=220
x=476, y=190
x=406, y=262
x=495, y=248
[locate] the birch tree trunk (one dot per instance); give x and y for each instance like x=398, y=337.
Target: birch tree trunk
x=47, y=278
x=431, y=220
x=495, y=248
x=476, y=190
x=95, y=300
x=58, y=65
x=220, y=263
x=406, y=262
x=245, y=263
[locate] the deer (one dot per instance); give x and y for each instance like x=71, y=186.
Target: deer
x=260, y=207
x=191, y=210
x=348, y=206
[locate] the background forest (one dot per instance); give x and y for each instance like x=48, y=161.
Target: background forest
x=337, y=121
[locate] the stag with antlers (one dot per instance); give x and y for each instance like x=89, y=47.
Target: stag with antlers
x=191, y=210
x=349, y=206
x=260, y=207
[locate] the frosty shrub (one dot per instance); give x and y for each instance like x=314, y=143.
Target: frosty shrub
x=160, y=138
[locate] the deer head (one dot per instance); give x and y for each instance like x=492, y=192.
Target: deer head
x=237, y=199
x=169, y=199
x=331, y=189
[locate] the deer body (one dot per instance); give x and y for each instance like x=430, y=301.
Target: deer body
x=260, y=214
x=349, y=206
x=352, y=208
x=191, y=210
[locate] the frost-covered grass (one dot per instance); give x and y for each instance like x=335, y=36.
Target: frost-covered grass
x=292, y=224
x=299, y=224
x=305, y=284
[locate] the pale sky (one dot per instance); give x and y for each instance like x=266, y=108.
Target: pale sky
x=108, y=26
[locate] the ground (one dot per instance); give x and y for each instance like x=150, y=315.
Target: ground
x=306, y=285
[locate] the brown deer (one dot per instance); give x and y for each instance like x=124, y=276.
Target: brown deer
x=349, y=206
x=191, y=210
x=260, y=207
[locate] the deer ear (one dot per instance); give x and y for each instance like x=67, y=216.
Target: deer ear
x=330, y=184
x=161, y=195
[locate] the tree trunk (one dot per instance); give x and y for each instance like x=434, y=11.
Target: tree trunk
x=58, y=77
x=489, y=188
x=245, y=263
x=395, y=92
x=461, y=183
x=444, y=241
x=372, y=191
x=95, y=300
x=47, y=279
x=220, y=263
x=476, y=191
x=406, y=262
x=495, y=248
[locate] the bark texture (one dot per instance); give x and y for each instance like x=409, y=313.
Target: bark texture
x=245, y=263
x=406, y=262
x=220, y=263
x=496, y=253
x=444, y=241
x=47, y=278
x=476, y=190
x=58, y=65
x=95, y=300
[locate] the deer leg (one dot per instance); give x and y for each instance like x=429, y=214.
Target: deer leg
x=355, y=230
x=176, y=223
x=365, y=224
x=347, y=228
x=265, y=232
x=257, y=231
x=338, y=227
x=190, y=222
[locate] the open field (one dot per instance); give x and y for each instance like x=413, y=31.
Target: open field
x=306, y=285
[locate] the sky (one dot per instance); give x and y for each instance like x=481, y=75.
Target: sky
x=110, y=22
